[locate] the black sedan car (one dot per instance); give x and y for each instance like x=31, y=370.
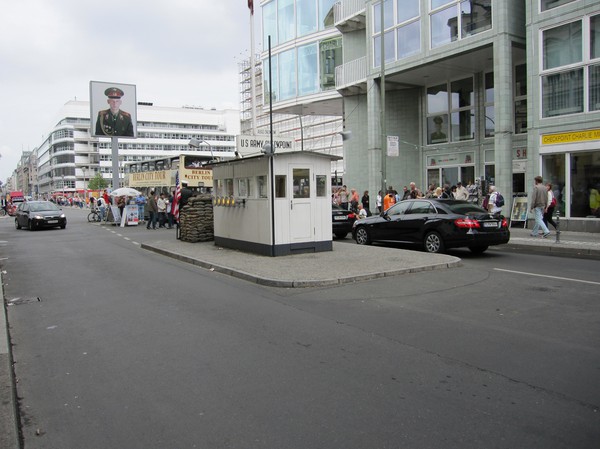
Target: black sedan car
x=435, y=225
x=39, y=214
x=341, y=221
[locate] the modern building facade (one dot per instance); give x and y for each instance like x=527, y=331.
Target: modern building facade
x=472, y=90
x=309, y=131
x=70, y=157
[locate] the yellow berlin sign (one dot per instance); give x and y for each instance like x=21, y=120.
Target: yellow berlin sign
x=572, y=137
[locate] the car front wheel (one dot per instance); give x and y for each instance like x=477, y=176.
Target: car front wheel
x=17, y=225
x=433, y=243
x=30, y=225
x=362, y=236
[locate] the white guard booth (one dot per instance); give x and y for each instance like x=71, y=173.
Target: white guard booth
x=274, y=205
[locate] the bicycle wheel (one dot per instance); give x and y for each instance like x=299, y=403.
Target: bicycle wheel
x=93, y=217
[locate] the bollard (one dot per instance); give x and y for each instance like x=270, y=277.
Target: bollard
x=557, y=225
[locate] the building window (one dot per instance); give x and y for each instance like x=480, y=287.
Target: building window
x=462, y=113
x=595, y=37
x=409, y=39
x=585, y=185
x=490, y=124
x=285, y=21
x=520, y=99
x=261, y=182
x=280, y=182
x=553, y=171
x=269, y=20
x=562, y=45
x=270, y=91
x=595, y=88
x=321, y=186
x=549, y=4
x=306, y=17
x=568, y=76
x=308, y=68
x=562, y=93
x=326, y=13
x=301, y=179
x=289, y=82
x=455, y=101
x=402, y=28
x=331, y=57
x=458, y=19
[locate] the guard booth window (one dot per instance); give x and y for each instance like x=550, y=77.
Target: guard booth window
x=280, y=181
x=301, y=182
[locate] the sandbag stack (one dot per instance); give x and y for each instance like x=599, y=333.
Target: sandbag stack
x=196, y=220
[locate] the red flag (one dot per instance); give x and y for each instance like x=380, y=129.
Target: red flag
x=251, y=6
x=176, y=198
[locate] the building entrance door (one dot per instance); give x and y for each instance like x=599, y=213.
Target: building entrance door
x=301, y=204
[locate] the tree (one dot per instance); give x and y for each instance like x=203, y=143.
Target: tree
x=97, y=182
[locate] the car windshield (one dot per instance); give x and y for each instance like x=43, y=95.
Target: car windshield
x=465, y=208
x=38, y=207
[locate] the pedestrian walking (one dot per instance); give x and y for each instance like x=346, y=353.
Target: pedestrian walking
x=152, y=210
x=539, y=202
x=549, y=211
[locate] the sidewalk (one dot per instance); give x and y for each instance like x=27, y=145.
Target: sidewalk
x=348, y=262
x=359, y=262
x=569, y=243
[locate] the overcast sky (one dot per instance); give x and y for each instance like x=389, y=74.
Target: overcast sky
x=177, y=52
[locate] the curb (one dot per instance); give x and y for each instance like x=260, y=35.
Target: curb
x=552, y=249
x=296, y=283
x=9, y=427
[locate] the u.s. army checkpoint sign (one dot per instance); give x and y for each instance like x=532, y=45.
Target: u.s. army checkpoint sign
x=252, y=145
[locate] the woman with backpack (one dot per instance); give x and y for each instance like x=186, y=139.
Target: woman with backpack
x=495, y=202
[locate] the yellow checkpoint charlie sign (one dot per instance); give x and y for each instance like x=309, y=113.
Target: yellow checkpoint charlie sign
x=572, y=137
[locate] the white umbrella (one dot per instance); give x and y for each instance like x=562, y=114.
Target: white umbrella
x=125, y=191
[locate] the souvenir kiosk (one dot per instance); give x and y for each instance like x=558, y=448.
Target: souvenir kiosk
x=274, y=204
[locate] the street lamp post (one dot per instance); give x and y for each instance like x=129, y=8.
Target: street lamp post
x=197, y=143
x=63, y=186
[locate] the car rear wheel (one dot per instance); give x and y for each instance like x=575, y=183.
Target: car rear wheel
x=17, y=225
x=478, y=249
x=341, y=235
x=362, y=236
x=433, y=243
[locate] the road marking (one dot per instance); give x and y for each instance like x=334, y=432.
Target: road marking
x=548, y=276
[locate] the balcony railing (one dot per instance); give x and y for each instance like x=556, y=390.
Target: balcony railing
x=349, y=14
x=351, y=73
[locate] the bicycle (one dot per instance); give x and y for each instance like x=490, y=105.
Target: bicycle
x=94, y=216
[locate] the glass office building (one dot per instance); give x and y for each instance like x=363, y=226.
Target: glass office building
x=487, y=91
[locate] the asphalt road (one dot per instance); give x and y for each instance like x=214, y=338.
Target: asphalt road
x=128, y=349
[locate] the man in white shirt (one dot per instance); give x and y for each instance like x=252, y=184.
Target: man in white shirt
x=461, y=192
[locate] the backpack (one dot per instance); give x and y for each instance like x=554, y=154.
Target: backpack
x=499, y=200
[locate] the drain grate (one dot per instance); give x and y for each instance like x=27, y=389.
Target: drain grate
x=24, y=300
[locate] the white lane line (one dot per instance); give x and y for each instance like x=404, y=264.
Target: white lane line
x=548, y=276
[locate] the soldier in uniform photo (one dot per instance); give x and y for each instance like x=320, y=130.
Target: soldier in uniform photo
x=114, y=121
x=438, y=136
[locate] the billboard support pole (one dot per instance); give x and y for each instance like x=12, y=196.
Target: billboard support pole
x=114, y=146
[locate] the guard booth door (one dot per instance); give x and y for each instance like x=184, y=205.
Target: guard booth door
x=301, y=204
